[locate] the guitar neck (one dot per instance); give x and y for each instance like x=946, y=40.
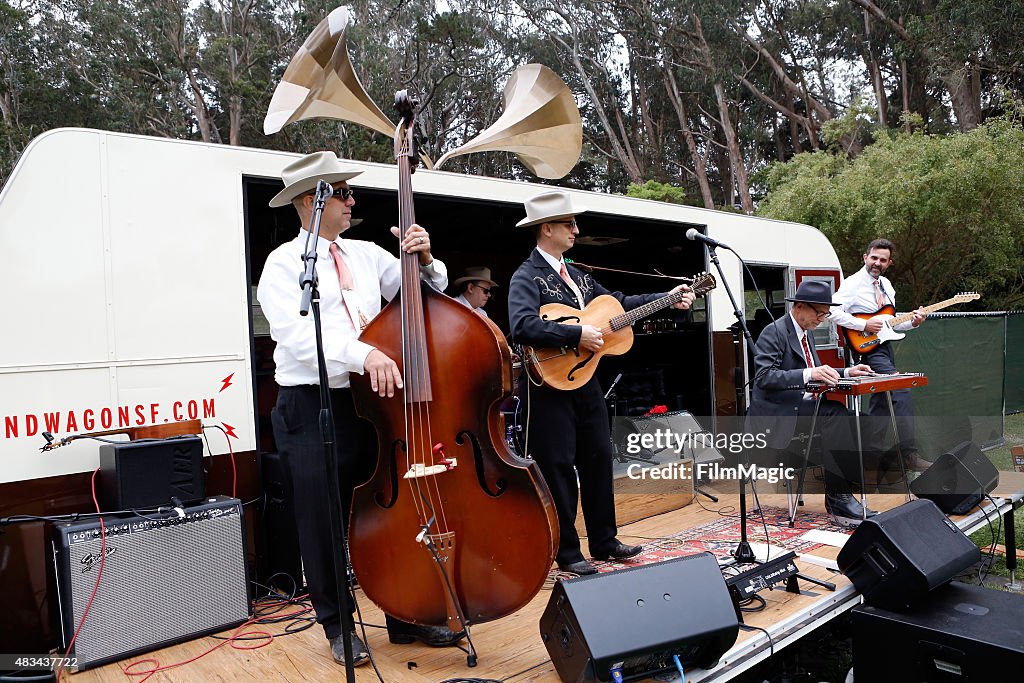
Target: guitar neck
x=630, y=317
x=904, y=317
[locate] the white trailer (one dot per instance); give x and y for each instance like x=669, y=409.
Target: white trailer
x=128, y=263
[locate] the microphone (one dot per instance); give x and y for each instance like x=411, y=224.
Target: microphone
x=611, y=388
x=693, y=235
x=324, y=189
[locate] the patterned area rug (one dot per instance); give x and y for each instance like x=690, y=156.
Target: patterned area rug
x=720, y=537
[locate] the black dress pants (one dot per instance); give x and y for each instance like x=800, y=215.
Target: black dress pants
x=568, y=436
x=882, y=360
x=840, y=458
x=296, y=430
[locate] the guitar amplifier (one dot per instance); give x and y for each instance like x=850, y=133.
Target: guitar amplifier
x=164, y=580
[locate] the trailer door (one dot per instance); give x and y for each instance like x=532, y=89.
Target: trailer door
x=826, y=337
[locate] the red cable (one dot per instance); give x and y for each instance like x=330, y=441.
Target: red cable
x=99, y=572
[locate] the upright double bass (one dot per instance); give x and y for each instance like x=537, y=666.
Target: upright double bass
x=452, y=528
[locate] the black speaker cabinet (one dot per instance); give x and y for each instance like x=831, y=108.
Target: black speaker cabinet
x=635, y=620
x=148, y=472
x=896, y=557
x=164, y=580
x=280, y=564
x=962, y=634
x=957, y=480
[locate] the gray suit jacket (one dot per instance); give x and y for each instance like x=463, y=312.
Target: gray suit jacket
x=778, y=387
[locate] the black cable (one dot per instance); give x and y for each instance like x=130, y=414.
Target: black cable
x=520, y=673
x=771, y=643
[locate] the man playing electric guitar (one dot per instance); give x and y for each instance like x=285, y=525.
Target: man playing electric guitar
x=868, y=291
x=567, y=432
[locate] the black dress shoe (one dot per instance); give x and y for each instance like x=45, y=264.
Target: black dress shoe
x=434, y=636
x=583, y=568
x=845, y=509
x=620, y=551
x=360, y=655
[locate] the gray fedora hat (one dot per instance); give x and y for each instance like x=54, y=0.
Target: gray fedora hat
x=476, y=274
x=549, y=206
x=813, y=292
x=301, y=175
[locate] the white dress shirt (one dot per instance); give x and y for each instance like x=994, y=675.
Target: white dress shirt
x=465, y=302
x=376, y=273
x=857, y=295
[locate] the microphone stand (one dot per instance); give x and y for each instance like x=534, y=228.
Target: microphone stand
x=311, y=298
x=611, y=395
x=744, y=554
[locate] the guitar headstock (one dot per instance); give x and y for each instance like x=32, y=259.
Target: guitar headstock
x=964, y=297
x=703, y=283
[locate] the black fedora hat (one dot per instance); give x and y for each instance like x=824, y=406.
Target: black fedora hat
x=813, y=292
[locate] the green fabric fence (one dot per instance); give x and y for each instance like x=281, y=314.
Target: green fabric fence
x=964, y=357
x=1015, y=362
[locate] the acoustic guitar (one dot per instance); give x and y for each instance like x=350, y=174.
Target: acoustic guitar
x=567, y=368
x=862, y=342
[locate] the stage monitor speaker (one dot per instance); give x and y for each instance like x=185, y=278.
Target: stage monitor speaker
x=963, y=633
x=896, y=557
x=149, y=472
x=957, y=480
x=164, y=580
x=634, y=620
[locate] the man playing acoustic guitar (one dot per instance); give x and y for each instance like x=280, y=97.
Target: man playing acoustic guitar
x=567, y=430
x=867, y=292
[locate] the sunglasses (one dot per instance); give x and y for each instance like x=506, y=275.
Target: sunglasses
x=485, y=290
x=343, y=193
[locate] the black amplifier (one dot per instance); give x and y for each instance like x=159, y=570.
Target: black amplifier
x=165, y=579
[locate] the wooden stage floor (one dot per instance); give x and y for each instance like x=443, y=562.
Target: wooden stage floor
x=511, y=649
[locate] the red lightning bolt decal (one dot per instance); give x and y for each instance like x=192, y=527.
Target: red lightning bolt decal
x=229, y=430
x=227, y=381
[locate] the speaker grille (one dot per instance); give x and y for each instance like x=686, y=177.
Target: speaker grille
x=163, y=580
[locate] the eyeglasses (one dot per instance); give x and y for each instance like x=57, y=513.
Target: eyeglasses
x=821, y=315
x=343, y=193
x=571, y=224
x=485, y=290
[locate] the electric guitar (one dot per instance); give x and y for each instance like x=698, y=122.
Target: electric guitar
x=567, y=368
x=862, y=342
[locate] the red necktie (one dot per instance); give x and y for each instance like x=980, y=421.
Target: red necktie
x=347, y=284
x=879, y=295
x=807, y=351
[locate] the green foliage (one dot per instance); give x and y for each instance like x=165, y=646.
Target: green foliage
x=951, y=204
x=659, y=192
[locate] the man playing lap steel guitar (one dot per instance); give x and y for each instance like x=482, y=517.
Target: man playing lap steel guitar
x=567, y=430
x=867, y=292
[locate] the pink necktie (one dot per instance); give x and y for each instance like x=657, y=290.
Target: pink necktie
x=879, y=296
x=346, y=282
x=807, y=352
x=565, y=276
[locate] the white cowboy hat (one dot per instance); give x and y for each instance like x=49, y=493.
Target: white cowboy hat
x=476, y=274
x=549, y=206
x=302, y=175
